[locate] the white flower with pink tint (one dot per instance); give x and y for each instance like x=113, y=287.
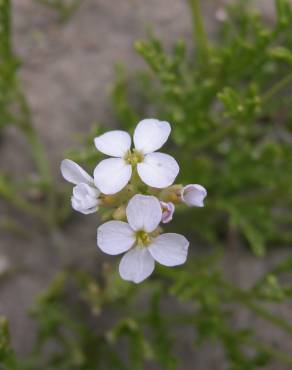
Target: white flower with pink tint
x=85, y=198
x=140, y=239
x=155, y=169
x=167, y=211
x=193, y=195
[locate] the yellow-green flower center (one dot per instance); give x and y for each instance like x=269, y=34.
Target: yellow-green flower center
x=133, y=157
x=143, y=239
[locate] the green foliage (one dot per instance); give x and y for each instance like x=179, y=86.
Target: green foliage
x=15, y=110
x=7, y=356
x=85, y=322
x=8, y=64
x=228, y=104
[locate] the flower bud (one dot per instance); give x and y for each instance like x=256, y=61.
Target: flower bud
x=167, y=212
x=120, y=213
x=85, y=198
x=171, y=194
x=193, y=195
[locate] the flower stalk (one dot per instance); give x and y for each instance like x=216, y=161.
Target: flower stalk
x=199, y=31
x=39, y=157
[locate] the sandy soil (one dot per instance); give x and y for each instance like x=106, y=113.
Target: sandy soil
x=67, y=71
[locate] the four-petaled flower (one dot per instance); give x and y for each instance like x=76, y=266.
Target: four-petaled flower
x=141, y=240
x=85, y=198
x=155, y=169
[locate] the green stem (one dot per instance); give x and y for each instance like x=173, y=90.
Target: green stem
x=199, y=32
x=221, y=132
x=245, y=299
x=7, y=193
x=286, y=81
x=39, y=155
x=190, y=319
x=268, y=316
x=33, y=139
x=218, y=134
x=271, y=351
x=282, y=267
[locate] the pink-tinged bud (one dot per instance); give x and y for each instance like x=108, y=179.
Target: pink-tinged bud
x=167, y=212
x=194, y=195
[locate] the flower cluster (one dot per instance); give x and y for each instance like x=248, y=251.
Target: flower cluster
x=135, y=187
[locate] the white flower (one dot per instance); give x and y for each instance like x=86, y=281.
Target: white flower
x=139, y=239
x=167, y=211
x=85, y=198
x=193, y=195
x=155, y=169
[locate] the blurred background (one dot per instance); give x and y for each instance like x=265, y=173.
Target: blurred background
x=65, y=57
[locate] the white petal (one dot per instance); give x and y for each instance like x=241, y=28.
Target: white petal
x=114, y=143
x=194, y=195
x=78, y=206
x=167, y=211
x=83, y=190
x=73, y=173
x=144, y=212
x=115, y=237
x=158, y=170
x=150, y=135
x=136, y=265
x=85, y=198
x=112, y=175
x=169, y=249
